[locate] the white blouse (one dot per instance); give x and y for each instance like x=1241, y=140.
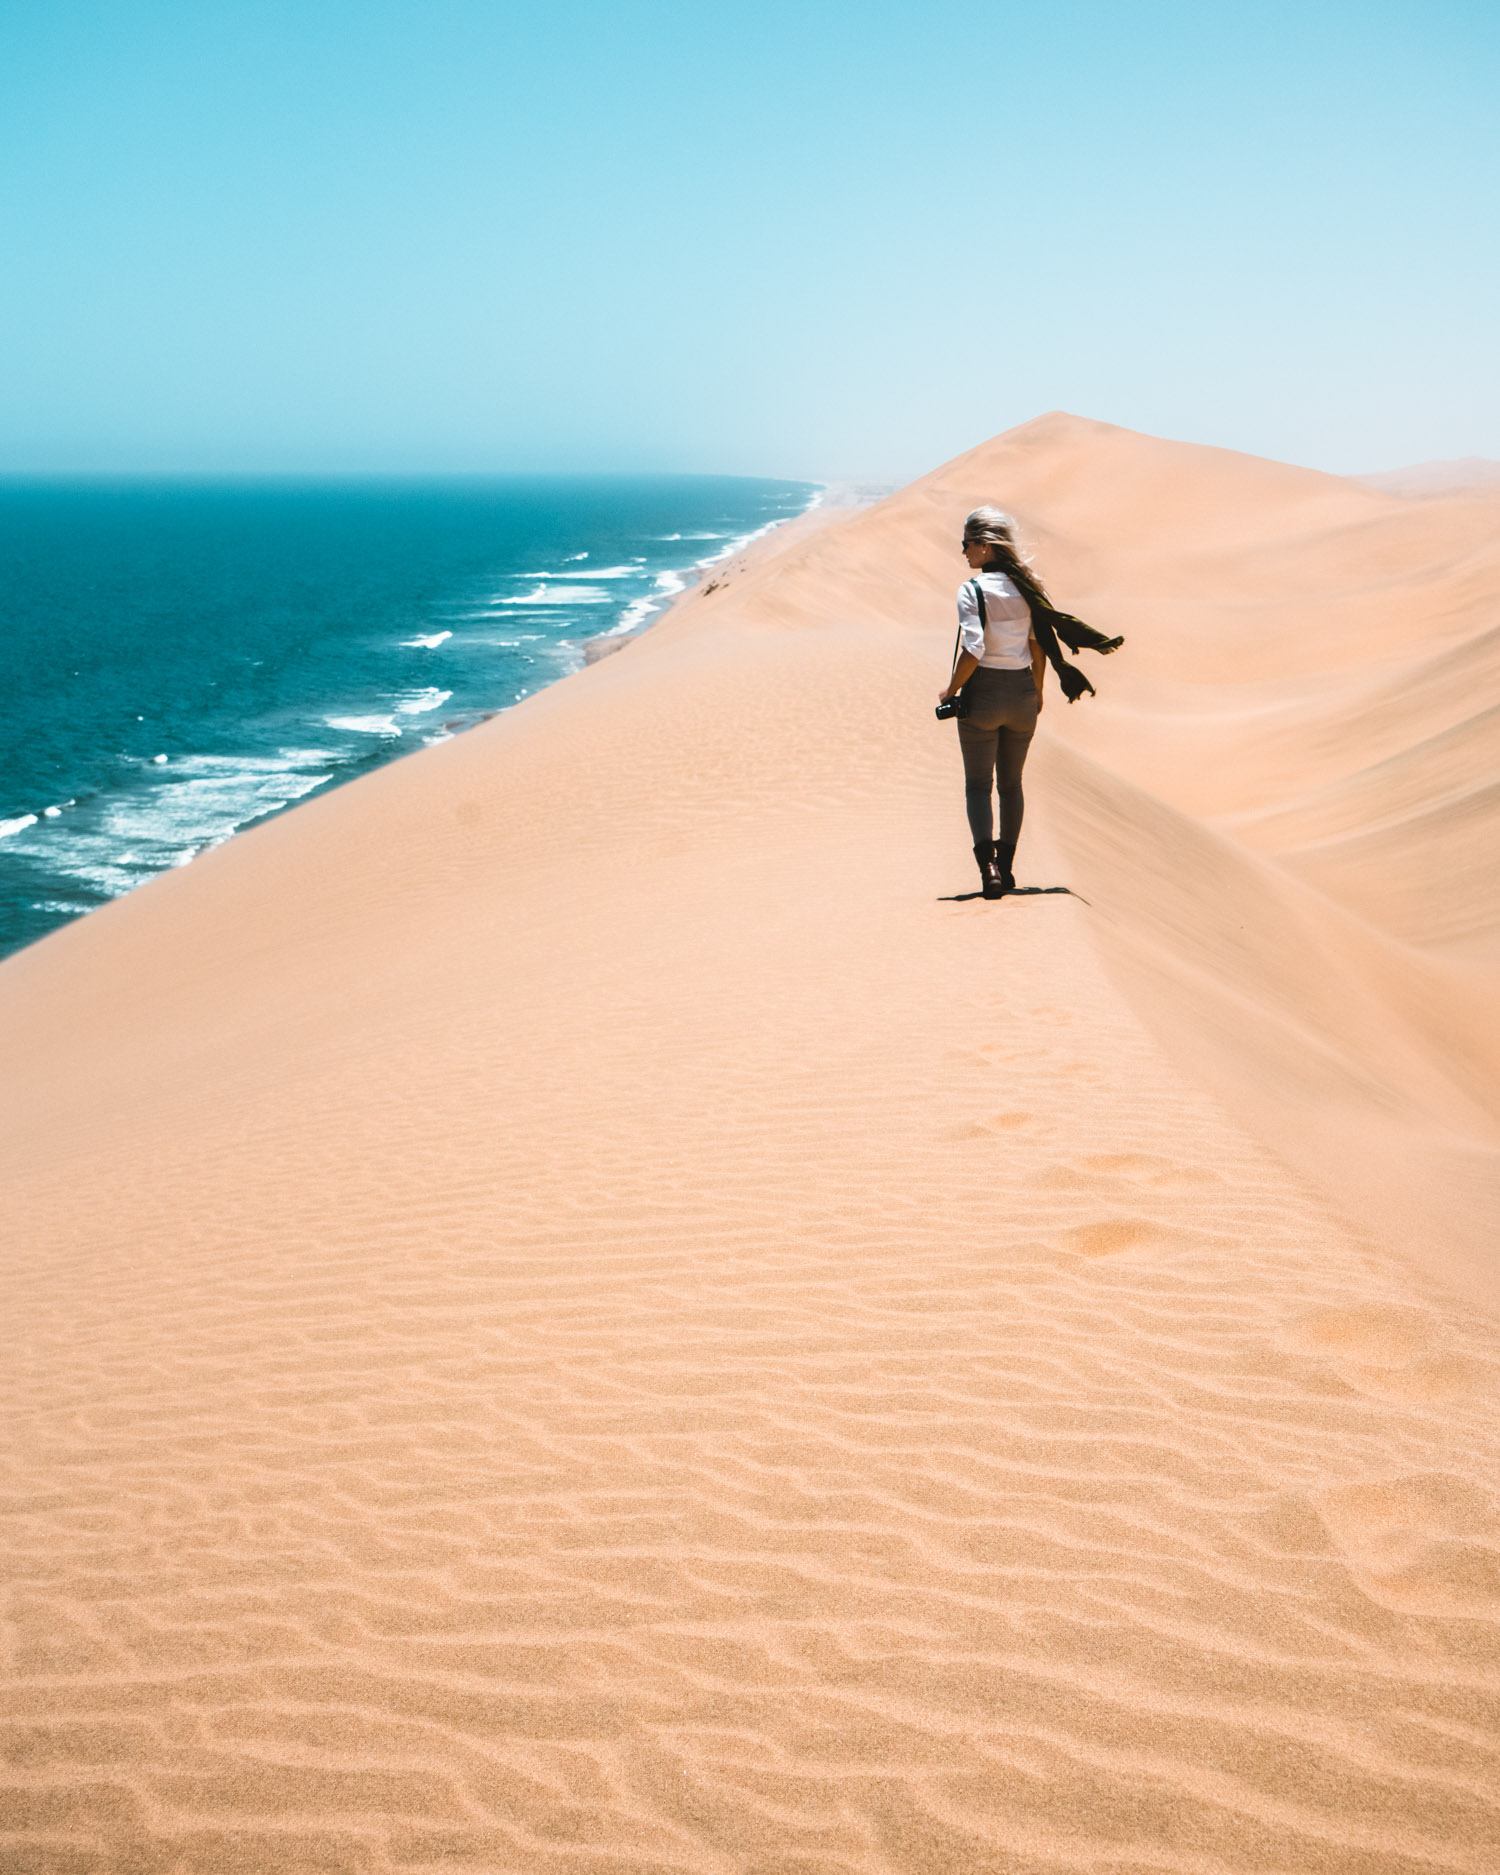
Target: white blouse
x=1003, y=645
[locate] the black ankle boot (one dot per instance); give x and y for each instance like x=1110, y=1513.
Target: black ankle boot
x=989, y=872
x=1005, y=853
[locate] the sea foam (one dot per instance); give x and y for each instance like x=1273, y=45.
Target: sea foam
x=560, y=595
x=424, y=700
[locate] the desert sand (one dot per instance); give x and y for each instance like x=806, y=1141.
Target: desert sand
x=582, y=1304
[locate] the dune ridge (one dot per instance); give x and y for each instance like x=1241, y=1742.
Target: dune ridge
x=581, y=1304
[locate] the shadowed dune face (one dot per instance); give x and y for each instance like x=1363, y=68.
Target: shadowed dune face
x=582, y=1304
x=1284, y=810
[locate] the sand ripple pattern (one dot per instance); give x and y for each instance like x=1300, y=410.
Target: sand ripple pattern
x=621, y=1350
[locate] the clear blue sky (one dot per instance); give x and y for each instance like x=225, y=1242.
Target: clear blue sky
x=814, y=240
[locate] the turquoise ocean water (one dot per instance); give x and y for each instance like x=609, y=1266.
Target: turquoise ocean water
x=187, y=658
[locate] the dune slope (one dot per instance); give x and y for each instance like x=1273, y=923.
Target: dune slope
x=580, y=1304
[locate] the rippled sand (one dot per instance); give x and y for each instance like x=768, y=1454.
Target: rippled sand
x=581, y=1304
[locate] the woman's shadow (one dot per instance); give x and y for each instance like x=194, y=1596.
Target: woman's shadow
x=1016, y=891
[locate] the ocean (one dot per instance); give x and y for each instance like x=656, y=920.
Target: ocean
x=187, y=658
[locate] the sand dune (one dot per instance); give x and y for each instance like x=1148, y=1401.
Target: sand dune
x=581, y=1304
x=1436, y=478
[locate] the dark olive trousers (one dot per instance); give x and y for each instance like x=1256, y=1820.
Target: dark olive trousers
x=994, y=737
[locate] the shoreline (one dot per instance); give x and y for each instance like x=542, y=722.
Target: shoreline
x=90, y=843
x=834, y=500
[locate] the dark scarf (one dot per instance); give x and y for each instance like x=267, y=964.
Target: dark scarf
x=1049, y=625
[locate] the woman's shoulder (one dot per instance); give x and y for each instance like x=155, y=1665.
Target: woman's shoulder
x=1001, y=585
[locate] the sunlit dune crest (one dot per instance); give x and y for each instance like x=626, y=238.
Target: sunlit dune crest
x=582, y=1303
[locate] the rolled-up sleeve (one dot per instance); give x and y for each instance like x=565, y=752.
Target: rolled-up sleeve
x=970, y=631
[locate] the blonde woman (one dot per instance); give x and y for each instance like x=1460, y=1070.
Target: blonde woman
x=1008, y=632
x=999, y=670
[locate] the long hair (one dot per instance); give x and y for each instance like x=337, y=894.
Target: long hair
x=997, y=531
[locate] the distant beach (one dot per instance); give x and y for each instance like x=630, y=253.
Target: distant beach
x=715, y=572
x=193, y=658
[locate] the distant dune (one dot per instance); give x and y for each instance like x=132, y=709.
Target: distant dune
x=581, y=1304
x=1469, y=474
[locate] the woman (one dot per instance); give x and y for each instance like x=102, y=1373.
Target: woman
x=1001, y=664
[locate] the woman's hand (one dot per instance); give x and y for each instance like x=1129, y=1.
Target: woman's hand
x=1038, y=665
x=943, y=695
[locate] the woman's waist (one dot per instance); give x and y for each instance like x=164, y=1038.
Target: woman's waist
x=1016, y=666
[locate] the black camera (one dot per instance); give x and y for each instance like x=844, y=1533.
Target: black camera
x=953, y=706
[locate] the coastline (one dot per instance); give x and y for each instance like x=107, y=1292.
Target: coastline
x=834, y=501
x=584, y=1296
x=150, y=763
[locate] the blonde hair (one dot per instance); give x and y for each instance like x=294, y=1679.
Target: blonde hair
x=996, y=531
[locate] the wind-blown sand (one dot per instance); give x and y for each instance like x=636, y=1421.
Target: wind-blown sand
x=580, y=1303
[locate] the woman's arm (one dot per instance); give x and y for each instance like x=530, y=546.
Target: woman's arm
x=1038, y=668
x=963, y=670
x=970, y=639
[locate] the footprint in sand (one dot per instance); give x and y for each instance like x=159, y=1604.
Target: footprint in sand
x=996, y=1124
x=1149, y=1168
x=1129, y=1164
x=1111, y=1235
x=1370, y=1332
x=1426, y=1543
x=1117, y=1173
x=1124, y=1178
x=1387, y=1349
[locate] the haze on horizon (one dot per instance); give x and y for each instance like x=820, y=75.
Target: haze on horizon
x=783, y=241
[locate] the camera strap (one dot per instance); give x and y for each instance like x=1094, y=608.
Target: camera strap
x=979, y=596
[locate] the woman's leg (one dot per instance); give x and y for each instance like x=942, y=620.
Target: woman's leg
x=1010, y=760
x=980, y=749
